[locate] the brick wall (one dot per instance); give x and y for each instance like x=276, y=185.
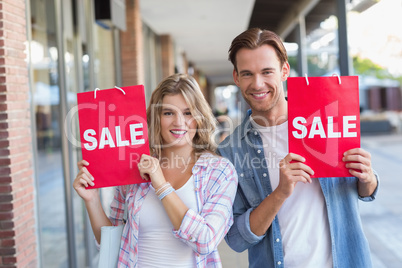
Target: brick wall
x=17, y=218
x=131, y=45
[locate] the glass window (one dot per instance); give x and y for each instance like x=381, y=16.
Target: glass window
x=87, y=62
x=104, y=58
x=152, y=60
x=46, y=99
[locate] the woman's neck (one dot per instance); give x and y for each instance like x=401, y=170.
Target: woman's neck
x=177, y=158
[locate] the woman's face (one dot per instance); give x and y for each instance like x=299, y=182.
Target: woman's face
x=178, y=126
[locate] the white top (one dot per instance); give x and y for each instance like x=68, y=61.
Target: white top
x=303, y=217
x=157, y=247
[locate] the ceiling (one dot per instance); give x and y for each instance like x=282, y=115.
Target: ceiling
x=282, y=16
x=204, y=29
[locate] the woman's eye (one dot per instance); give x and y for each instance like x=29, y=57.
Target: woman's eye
x=167, y=113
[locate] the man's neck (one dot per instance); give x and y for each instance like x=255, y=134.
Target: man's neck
x=267, y=121
x=272, y=117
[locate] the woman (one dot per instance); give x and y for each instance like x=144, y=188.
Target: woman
x=182, y=211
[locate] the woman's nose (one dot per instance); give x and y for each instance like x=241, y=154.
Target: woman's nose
x=179, y=119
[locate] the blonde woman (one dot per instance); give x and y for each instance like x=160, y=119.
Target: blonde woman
x=183, y=210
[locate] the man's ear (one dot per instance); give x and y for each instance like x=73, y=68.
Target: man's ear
x=236, y=77
x=285, y=71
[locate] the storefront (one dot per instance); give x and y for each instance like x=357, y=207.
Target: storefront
x=73, y=48
x=69, y=53
x=50, y=51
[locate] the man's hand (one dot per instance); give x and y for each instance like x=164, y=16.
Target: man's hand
x=290, y=173
x=293, y=172
x=358, y=161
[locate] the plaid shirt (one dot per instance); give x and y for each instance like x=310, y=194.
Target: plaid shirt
x=215, y=182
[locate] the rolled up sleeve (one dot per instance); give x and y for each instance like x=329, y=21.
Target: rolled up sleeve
x=374, y=194
x=240, y=237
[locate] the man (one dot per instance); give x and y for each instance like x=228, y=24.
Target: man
x=284, y=217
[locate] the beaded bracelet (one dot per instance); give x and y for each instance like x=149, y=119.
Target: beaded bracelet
x=166, y=192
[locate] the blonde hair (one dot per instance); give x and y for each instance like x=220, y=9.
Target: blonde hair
x=188, y=87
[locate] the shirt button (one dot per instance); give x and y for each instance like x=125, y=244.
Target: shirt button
x=259, y=151
x=277, y=240
x=279, y=262
x=255, y=132
x=241, y=175
x=265, y=174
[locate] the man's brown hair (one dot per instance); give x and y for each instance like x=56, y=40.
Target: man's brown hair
x=254, y=38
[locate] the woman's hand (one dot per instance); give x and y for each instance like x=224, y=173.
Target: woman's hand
x=150, y=170
x=83, y=180
x=96, y=214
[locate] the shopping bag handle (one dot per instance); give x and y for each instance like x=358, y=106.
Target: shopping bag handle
x=339, y=78
x=114, y=86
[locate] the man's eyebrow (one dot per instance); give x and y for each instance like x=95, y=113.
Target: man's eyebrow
x=264, y=69
x=268, y=69
x=244, y=71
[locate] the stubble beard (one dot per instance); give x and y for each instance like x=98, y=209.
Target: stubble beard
x=264, y=109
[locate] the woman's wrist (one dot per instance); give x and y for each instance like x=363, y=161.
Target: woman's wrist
x=164, y=190
x=93, y=201
x=158, y=188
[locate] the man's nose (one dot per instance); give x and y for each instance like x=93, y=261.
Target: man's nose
x=258, y=82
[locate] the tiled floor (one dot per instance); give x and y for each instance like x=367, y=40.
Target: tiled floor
x=382, y=219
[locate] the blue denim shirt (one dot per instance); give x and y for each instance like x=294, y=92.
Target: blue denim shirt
x=244, y=149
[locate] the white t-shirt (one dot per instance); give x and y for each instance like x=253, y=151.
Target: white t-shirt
x=157, y=247
x=303, y=216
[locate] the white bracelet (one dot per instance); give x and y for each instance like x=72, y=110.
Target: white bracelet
x=162, y=188
x=166, y=192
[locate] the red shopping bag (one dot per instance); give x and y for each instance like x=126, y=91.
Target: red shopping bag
x=114, y=134
x=324, y=121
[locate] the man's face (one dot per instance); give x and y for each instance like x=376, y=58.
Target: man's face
x=260, y=78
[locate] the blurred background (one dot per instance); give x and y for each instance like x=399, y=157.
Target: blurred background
x=73, y=46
